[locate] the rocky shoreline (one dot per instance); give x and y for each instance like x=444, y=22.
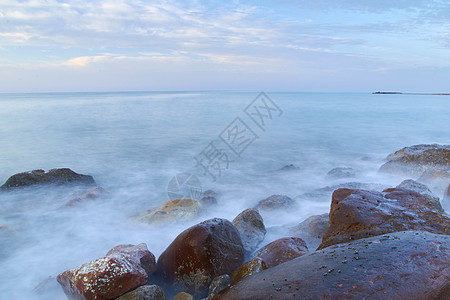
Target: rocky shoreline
x=376, y=242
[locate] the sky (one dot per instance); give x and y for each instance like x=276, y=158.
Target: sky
x=303, y=45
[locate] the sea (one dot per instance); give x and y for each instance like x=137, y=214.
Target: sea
x=142, y=147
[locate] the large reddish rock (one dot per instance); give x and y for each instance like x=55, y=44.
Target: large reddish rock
x=357, y=214
x=414, y=160
x=402, y=265
x=53, y=176
x=125, y=268
x=198, y=255
x=282, y=250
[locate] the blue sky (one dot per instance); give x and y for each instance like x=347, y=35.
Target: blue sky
x=321, y=45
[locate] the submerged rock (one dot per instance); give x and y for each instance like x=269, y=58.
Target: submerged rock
x=290, y=167
x=356, y=214
x=208, y=198
x=218, y=284
x=88, y=194
x=341, y=173
x=282, y=250
x=125, y=268
x=53, y=176
x=251, y=267
x=414, y=160
x=145, y=292
x=326, y=192
x=402, y=265
x=275, y=202
x=172, y=211
x=311, y=230
x=198, y=255
x=251, y=227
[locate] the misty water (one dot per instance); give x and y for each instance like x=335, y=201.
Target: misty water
x=133, y=144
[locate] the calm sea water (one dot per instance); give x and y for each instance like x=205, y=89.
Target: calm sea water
x=135, y=143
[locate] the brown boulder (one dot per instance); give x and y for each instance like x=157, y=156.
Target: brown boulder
x=53, y=176
x=357, y=214
x=199, y=254
x=275, y=202
x=251, y=267
x=172, y=211
x=145, y=292
x=414, y=160
x=403, y=265
x=251, y=227
x=282, y=250
x=123, y=269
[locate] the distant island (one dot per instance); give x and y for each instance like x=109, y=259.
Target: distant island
x=401, y=93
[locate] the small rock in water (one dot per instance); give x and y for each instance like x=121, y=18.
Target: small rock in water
x=275, y=202
x=341, y=173
x=172, y=211
x=145, y=292
x=290, y=167
x=311, y=230
x=89, y=194
x=251, y=227
x=208, y=198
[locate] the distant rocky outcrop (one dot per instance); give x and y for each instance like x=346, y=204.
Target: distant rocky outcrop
x=172, y=211
x=54, y=176
x=414, y=160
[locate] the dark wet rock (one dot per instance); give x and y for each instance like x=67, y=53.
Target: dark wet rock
x=125, y=268
x=290, y=167
x=88, y=194
x=208, y=198
x=282, y=250
x=53, y=176
x=414, y=160
x=356, y=214
x=326, y=192
x=275, y=202
x=402, y=265
x=218, y=284
x=251, y=227
x=341, y=173
x=172, y=211
x=311, y=230
x=199, y=254
x=139, y=254
x=183, y=296
x=251, y=267
x=145, y=292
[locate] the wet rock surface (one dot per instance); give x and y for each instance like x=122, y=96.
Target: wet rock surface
x=251, y=228
x=173, y=211
x=198, y=255
x=414, y=160
x=123, y=269
x=357, y=214
x=54, y=176
x=183, y=296
x=276, y=202
x=282, y=250
x=218, y=284
x=145, y=292
x=251, y=267
x=401, y=265
x=311, y=230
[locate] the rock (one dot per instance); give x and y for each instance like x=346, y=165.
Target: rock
x=282, y=250
x=139, y=254
x=341, y=173
x=172, y=211
x=251, y=227
x=357, y=214
x=103, y=278
x=199, y=254
x=414, y=160
x=183, y=296
x=446, y=200
x=436, y=180
x=275, y=202
x=89, y=194
x=326, y=192
x=54, y=176
x=289, y=167
x=208, y=198
x=403, y=265
x=218, y=284
x=311, y=230
x=251, y=267
x=145, y=292
x=125, y=268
